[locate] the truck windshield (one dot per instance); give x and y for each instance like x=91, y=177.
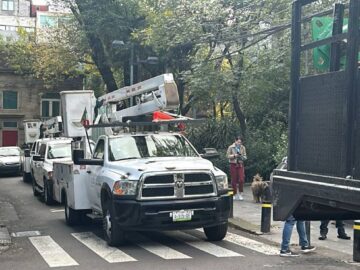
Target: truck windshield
x=155, y=145
x=59, y=151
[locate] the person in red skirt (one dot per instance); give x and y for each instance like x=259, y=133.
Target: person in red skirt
x=236, y=154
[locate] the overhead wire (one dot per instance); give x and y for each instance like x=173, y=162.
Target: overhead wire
x=264, y=34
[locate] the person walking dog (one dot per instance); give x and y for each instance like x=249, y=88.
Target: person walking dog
x=236, y=154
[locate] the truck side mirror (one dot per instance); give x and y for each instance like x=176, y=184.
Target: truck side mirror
x=210, y=153
x=78, y=157
x=38, y=158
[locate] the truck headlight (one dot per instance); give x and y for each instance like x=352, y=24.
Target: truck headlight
x=222, y=182
x=125, y=187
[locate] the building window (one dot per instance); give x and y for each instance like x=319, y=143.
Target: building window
x=7, y=5
x=10, y=100
x=48, y=21
x=9, y=124
x=50, y=108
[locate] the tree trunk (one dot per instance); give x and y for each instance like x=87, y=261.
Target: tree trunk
x=222, y=110
x=236, y=104
x=239, y=115
x=97, y=49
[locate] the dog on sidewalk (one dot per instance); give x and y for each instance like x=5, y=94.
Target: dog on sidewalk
x=258, y=187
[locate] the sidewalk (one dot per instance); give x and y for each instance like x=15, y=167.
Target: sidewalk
x=247, y=217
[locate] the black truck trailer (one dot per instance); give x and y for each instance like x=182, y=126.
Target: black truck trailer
x=322, y=180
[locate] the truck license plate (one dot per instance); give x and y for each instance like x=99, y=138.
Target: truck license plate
x=182, y=215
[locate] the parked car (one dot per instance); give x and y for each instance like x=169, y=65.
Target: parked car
x=10, y=160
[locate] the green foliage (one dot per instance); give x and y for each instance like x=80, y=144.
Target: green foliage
x=214, y=133
x=19, y=54
x=51, y=57
x=265, y=148
x=203, y=43
x=217, y=134
x=222, y=54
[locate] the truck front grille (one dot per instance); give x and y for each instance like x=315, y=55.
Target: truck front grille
x=177, y=185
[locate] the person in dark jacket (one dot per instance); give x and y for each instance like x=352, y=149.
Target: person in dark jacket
x=340, y=227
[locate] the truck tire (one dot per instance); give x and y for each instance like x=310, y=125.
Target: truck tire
x=35, y=191
x=114, y=236
x=72, y=217
x=216, y=233
x=26, y=177
x=48, y=198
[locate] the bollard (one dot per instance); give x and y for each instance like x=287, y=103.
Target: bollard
x=265, y=217
x=231, y=194
x=356, y=246
x=308, y=231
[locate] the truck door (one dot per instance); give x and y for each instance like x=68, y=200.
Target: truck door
x=95, y=173
x=38, y=165
x=33, y=151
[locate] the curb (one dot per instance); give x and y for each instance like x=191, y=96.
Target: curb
x=245, y=226
x=5, y=238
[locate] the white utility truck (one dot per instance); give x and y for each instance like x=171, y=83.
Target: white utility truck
x=35, y=131
x=32, y=133
x=139, y=177
x=51, y=150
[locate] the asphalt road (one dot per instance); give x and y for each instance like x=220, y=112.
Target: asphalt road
x=55, y=245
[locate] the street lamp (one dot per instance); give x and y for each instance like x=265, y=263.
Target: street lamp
x=151, y=60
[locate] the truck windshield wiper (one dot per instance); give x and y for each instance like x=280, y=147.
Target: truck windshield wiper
x=128, y=158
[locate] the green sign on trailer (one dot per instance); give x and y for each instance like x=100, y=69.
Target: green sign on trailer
x=321, y=28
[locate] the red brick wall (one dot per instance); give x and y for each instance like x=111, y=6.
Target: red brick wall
x=34, y=8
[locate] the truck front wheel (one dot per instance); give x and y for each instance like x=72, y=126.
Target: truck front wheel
x=48, y=198
x=72, y=217
x=114, y=236
x=216, y=233
x=26, y=177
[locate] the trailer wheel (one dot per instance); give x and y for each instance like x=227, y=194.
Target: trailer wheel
x=216, y=233
x=114, y=236
x=35, y=191
x=48, y=198
x=72, y=217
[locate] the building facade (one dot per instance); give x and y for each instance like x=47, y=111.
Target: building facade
x=27, y=14
x=22, y=97
x=15, y=14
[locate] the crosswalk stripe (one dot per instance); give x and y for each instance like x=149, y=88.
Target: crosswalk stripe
x=158, y=249
x=207, y=247
x=251, y=244
x=51, y=252
x=100, y=247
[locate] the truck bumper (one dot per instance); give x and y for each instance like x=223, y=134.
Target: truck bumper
x=156, y=215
